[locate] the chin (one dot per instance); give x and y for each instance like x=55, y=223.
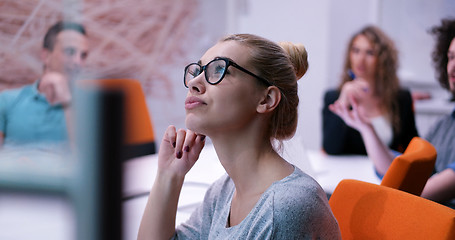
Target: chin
x=194, y=124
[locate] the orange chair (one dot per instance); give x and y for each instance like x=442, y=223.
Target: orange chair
x=139, y=138
x=369, y=211
x=410, y=171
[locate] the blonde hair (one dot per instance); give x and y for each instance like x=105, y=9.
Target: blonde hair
x=282, y=65
x=298, y=55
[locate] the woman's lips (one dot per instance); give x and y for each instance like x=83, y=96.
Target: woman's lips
x=193, y=102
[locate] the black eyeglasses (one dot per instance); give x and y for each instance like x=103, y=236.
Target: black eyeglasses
x=215, y=71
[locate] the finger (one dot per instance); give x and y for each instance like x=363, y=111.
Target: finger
x=201, y=138
x=357, y=115
x=344, y=111
x=362, y=86
x=188, y=145
x=49, y=93
x=332, y=107
x=167, y=151
x=336, y=108
x=340, y=108
x=354, y=103
x=357, y=93
x=170, y=136
x=64, y=93
x=346, y=115
x=199, y=144
x=355, y=110
x=194, y=142
x=181, y=135
x=189, y=140
x=361, y=94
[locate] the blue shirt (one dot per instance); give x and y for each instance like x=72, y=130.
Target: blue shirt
x=451, y=166
x=442, y=136
x=27, y=117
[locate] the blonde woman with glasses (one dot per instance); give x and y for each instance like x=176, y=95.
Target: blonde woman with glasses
x=242, y=94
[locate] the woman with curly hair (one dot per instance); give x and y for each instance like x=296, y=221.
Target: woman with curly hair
x=369, y=107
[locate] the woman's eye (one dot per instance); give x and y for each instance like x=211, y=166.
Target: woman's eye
x=370, y=53
x=194, y=73
x=219, y=69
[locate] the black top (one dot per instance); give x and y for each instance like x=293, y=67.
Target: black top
x=338, y=138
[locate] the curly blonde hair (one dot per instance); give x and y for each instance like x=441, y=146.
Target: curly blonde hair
x=386, y=82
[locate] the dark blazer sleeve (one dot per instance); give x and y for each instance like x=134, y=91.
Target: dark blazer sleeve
x=408, y=128
x=337, y=137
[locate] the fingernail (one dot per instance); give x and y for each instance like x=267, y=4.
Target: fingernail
x=179, y=154
x=187, y=149
x=173, y=144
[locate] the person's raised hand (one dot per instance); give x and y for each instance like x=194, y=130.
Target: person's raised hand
x=350, y=114
x=357, y=89
x=179, y=151
x=55, y=87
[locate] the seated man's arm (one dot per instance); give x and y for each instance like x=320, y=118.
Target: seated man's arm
x=441, y=186
x=55, y=87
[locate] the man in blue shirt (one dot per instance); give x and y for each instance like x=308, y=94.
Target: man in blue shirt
x=441, y=186
x=40, y=112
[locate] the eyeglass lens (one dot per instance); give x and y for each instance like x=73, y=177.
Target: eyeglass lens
x=214, y=71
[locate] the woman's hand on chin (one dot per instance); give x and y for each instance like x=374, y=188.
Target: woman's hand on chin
x=179, y=151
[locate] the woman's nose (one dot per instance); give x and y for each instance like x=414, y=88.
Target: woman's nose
x=197, y=84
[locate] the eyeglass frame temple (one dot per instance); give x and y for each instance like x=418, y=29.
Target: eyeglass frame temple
x=228, y=62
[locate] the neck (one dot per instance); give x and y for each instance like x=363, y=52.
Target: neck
x=250, y=160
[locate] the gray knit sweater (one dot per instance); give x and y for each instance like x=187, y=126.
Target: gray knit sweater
x=295, y=207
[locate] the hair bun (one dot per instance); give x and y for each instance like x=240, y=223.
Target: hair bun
x=298, y=56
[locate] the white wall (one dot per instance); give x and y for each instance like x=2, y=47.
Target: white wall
x=325, y=27
x=296, y=21
x=408, y=22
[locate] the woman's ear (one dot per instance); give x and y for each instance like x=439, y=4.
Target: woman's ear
x=270, y=100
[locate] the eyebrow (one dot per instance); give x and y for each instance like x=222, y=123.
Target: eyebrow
x=217, y=57
x=230, y=59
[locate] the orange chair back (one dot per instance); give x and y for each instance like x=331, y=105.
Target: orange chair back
x=139, y=136
x=369, y=211
x=410, y=171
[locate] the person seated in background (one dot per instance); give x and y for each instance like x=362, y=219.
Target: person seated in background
x=39, y=112
x=370, y=86
x=242, y=94
x=441, y=186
